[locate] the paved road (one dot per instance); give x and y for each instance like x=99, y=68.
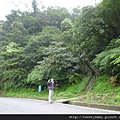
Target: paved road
x=31, y=106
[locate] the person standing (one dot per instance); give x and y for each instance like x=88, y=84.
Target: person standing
x=51, y=87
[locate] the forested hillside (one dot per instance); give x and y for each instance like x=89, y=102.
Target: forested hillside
x=42, y=43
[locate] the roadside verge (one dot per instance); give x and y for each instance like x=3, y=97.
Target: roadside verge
x=100, y=106
x=93, y=105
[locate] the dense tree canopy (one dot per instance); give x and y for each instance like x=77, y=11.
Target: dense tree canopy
x=47, y=42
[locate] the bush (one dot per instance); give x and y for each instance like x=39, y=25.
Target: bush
x=74, y=78
x=102, y=85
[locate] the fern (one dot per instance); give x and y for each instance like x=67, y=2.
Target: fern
x=110, y=58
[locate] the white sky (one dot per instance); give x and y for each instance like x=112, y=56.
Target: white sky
x=7, y=5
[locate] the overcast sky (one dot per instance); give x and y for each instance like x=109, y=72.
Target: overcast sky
x=7, y=5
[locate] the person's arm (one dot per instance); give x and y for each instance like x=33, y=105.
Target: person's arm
x=56, y=85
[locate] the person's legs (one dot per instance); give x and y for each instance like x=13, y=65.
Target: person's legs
x=50, y=96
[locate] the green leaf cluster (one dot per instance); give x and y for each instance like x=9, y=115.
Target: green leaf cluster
x=108, y=61
x=41, y=43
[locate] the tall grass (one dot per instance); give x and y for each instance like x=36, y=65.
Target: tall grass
x=102, y=92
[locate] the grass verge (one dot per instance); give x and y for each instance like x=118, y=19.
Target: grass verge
x=102, y=92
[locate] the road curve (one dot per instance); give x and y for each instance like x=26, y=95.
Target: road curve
x=10, y=105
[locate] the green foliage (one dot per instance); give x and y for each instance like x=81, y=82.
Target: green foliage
x=102, y=85
x=98, y=95
x=103, y=92
x=68, y=91
x=35, y=77
x=27, y=92
x=32, y=24
x=48, y=43
x=12, y=78
x=57, y=64
x=84, y=82
x=108, y=61
x=66, y=24
x=13, y=48
x=74, y=78
x=56, y=15
x=111, y=15
x=87, y=26
x=33, y=51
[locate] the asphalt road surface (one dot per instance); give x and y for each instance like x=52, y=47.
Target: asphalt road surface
x=32, y=106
